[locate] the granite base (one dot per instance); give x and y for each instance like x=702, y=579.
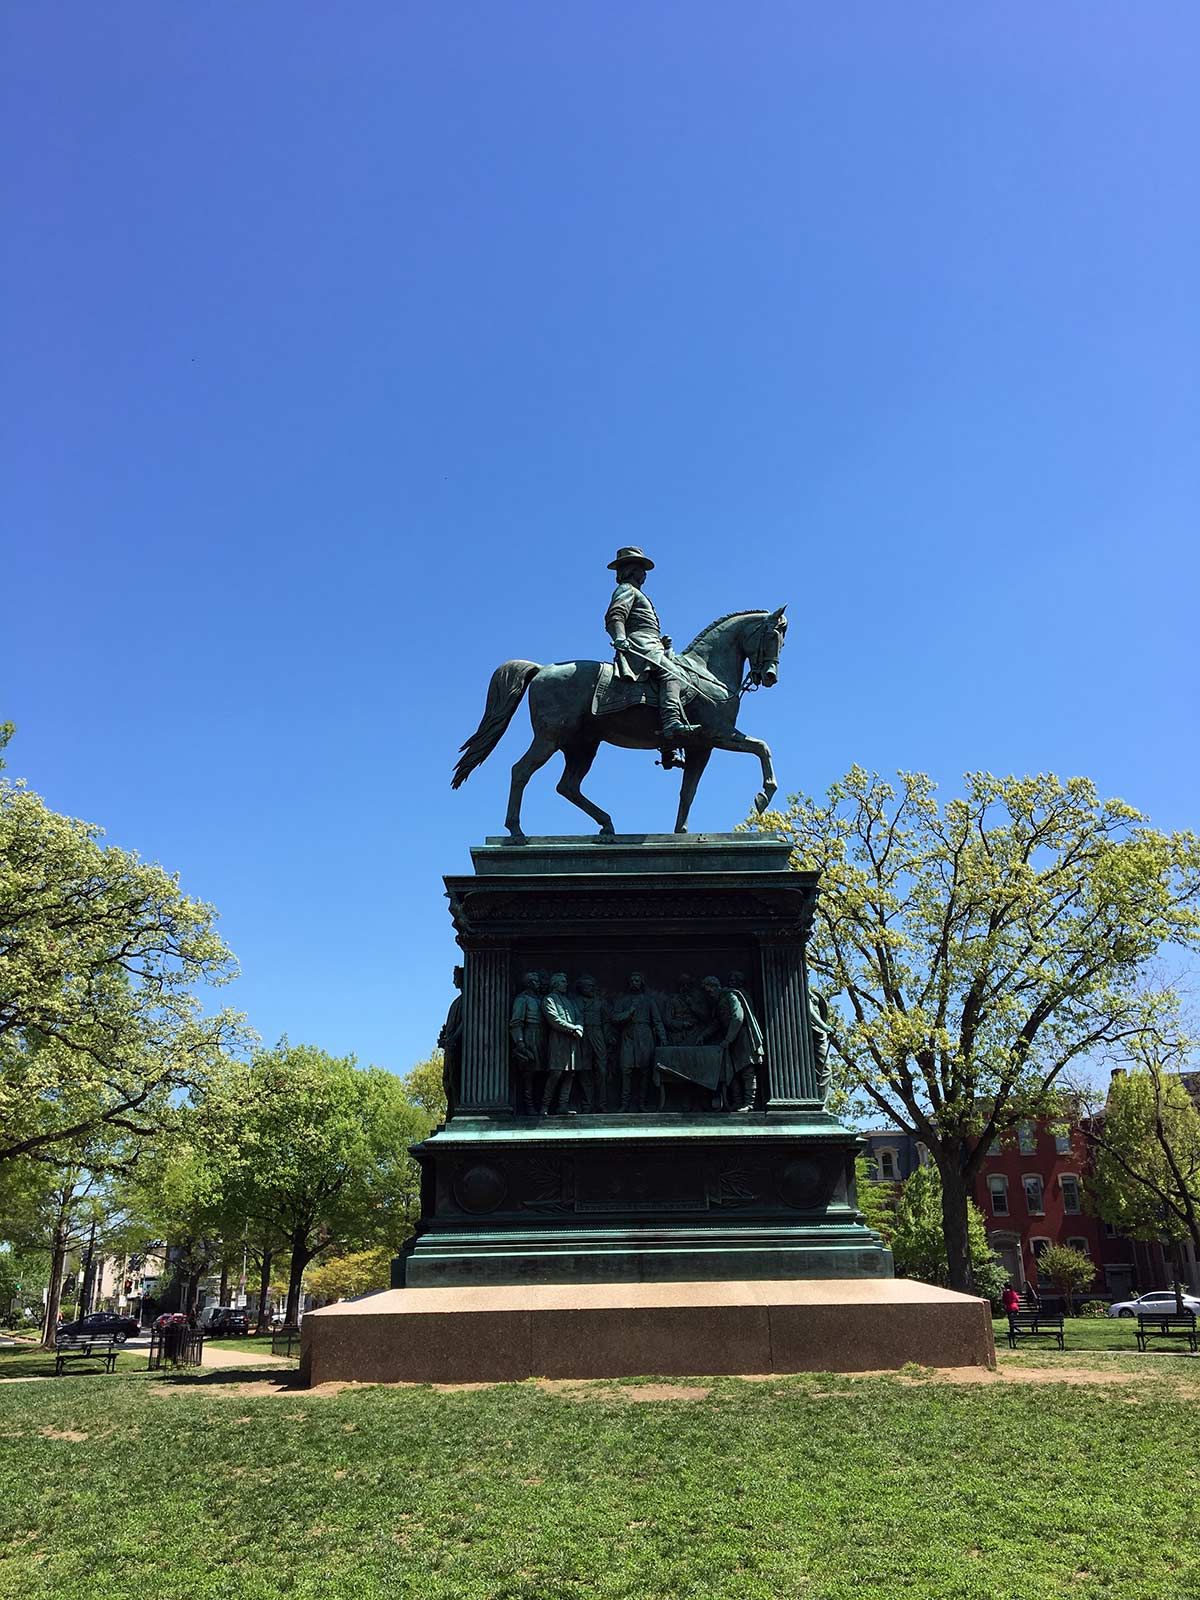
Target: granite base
x=497, y=1335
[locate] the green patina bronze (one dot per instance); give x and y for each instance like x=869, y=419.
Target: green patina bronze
x=683, y=705
x=642, y=1074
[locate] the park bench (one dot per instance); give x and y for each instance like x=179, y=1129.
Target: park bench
x=70, y=1347
x=1034, y=1325
x=1167, y=1325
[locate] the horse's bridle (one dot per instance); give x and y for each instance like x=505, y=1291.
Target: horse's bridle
x=759, y=661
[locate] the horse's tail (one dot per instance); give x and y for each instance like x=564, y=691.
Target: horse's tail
x=505, y=693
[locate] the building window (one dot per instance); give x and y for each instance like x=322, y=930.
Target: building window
x=1026, y=1138
x=1110, y=1230
x=1081, y=1245
x=887, y=1166
x=994, y=1147
x=998, y=1188
x=1033, y=1194
x=872, y=1169
x=1039, y=1248
x=1062, y=1141
x=1070, y=1193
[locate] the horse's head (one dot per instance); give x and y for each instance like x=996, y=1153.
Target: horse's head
x=763, y=647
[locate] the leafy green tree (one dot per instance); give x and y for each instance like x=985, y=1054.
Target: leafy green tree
x=424, y=1087
x=1070, y=1269
x=1145, y=1141
x=876, y=1200
x=917, y=1236
x=976, y=949
x=324, y=1156
x=101, y=956
x=344, y=1277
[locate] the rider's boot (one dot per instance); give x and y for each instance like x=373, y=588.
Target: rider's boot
x=670, y=710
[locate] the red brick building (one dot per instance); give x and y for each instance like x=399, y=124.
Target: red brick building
x=1032, y=1189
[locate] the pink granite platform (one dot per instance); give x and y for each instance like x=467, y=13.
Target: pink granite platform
x=643, y=1329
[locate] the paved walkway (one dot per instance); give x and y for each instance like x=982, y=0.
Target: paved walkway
x=213, y=1357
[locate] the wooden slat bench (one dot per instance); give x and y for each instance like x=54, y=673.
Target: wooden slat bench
x=1167, y=1325
x=70, y=1348
x=1034, y=1325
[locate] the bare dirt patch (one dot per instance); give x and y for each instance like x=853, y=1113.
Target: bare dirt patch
x=1074, y=1376
x=70, y=1435
x=582, y=1389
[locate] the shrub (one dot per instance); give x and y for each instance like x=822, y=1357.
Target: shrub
x=1092, y=1308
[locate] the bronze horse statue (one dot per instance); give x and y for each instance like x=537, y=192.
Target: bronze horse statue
x=740, y=650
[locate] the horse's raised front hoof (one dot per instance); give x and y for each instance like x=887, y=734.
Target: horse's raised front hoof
x=761, y=801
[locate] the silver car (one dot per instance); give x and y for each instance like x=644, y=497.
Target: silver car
x=1158, y=1300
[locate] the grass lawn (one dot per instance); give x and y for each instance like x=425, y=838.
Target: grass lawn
x=31, y=1361
x=818, y=1487
x=252, y=1341
x=1090, y=1333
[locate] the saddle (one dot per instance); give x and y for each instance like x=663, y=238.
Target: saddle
x=619, y=694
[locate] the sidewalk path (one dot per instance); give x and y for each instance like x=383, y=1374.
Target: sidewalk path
x=242, y=1358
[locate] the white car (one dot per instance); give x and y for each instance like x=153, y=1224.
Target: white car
x=1157, y=1300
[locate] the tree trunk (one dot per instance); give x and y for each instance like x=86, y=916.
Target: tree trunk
x=192, y=1292
x=264, y=1289
x=300, y=1259
x=955, y=1196
x=58, y=1260
x=223, y=1290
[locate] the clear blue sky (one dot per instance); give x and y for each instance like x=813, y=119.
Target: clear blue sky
x=343, y=344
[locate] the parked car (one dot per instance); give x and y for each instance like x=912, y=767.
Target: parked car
x=227, y=1321
x=102, y=1325
x=1157, y=1300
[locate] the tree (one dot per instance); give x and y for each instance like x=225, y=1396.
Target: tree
x=1145, y=1140
x=1072, y=1270
x=917, y=1236
x=100, y=958
x=424, y=1087
x=324, y=1156
x=977, y=949
x=344, y=1277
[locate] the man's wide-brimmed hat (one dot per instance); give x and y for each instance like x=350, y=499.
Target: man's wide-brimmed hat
x=631, y=554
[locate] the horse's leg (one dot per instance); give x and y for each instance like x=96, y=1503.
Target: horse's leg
x=578, y=759
x=753, y=747
x=539, y=752
x=694, y=762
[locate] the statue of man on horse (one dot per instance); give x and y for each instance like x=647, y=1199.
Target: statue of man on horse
x=649, y=698
x=643, y=651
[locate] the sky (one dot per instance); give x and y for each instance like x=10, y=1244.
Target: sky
x=342, y=346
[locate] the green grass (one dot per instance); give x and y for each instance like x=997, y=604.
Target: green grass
x=815, y=1487
x=1091, y=1333
x=31, y=1361
x=252, y=1341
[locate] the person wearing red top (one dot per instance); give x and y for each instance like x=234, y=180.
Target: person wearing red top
x=1010, y=1300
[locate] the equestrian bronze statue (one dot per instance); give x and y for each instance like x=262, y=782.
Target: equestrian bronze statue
x=650, y=698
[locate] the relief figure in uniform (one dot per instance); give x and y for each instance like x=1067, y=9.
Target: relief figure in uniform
x=735, y=1028
x=593, y=1047
x=528, y=1033
x=563, y=1033
x=637, y=1015
x=450, y=1044
x=820, y=1029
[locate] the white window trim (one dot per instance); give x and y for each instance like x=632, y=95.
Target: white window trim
x=1078, y=1242
x=1041, y=1183
x=998, y=1181
x=1078, y=1211
x=888, y=1150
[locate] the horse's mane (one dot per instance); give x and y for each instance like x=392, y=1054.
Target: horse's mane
x=730, y=616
